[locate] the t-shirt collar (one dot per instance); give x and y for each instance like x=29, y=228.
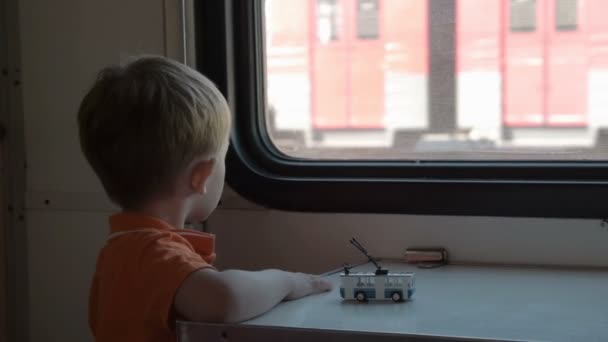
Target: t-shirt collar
x=127, y=221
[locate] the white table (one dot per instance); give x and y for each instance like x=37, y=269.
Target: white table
x=476, y=302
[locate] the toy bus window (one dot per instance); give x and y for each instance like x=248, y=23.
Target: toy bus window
x=360, y=281
x=327, y=20
x=367, y=19
x=566, y=15
x=523, y=15
x=371, y=281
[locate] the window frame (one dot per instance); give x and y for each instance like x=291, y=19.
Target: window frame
x=230, y=52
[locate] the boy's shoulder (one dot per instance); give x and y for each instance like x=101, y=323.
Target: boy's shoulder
x=133, y=234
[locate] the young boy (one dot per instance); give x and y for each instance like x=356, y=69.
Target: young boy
x=156, y=133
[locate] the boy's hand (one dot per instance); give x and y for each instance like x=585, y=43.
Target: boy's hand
x=306, y=284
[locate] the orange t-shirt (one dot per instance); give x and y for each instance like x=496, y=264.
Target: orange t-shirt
x=138, y=273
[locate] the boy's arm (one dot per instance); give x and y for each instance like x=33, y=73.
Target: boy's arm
x=233, y=296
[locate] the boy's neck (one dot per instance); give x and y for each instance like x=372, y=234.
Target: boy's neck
x=171, y=211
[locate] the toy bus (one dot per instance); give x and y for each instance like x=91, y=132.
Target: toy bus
x=365, y=286
x=378, y=285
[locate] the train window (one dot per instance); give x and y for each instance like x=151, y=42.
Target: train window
x=566, y=15
x=453, y=111
x=523, y=15
x=327, y=20
x=367, y=19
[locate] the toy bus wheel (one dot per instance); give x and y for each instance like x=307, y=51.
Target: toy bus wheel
x=361, y=296
x=396, y=297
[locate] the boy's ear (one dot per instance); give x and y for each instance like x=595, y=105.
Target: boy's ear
x=200, y=174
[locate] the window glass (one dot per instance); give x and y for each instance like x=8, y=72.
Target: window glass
x=523, y=15
x=566, y=15
x=367, y=19
x=327, y=20
x=485, y=80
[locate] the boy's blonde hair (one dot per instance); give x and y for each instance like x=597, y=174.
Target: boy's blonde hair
x=143, y=122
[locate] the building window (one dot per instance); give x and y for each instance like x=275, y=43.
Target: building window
x=367, y=19
x=327, y=20
x=523, y=15
x=566, y=15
